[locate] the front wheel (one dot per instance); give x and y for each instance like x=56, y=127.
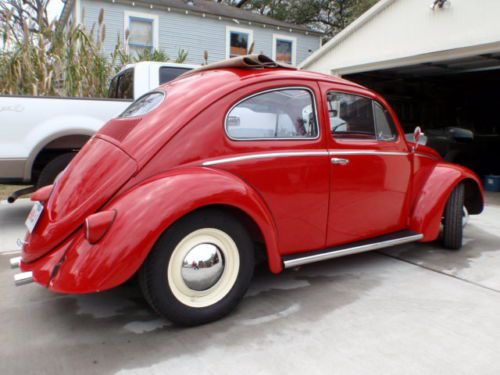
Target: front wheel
x=199, y=269
x=455, y=216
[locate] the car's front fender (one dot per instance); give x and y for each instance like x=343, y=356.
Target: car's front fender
x=431, y=199
x=144, y=213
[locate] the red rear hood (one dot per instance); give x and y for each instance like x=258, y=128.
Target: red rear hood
x=92, y=178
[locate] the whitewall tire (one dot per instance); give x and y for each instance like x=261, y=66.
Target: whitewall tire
x=199, y=269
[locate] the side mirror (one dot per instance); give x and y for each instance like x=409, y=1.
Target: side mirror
x=417, y=135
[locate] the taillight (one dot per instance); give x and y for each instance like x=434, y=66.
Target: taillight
x=42, y=194
x=97, y=225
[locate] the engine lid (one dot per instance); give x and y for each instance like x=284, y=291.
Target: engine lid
x=91, y=179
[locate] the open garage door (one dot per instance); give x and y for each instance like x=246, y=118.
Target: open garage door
x=443, y=96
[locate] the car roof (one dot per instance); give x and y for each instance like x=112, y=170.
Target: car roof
x=259, y=66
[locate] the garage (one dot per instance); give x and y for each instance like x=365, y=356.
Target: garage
x=437, y=63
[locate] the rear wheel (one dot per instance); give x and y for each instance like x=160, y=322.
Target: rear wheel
x=454, y=219
x=199, y=269
x=52, y=169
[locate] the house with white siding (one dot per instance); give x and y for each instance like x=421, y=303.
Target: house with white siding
x=193, y=25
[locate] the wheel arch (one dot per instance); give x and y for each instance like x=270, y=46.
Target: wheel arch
x=474, y=201
x=431, y=201
x=146, y=211
x=253, y=229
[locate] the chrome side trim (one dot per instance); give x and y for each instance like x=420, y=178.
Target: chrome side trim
x=23, y=278
x=367, y=152
x=426, y=156
x=349, y=251
x=265, y=156
x=14, y=262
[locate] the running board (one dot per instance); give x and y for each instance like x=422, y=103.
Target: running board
x=393, y=239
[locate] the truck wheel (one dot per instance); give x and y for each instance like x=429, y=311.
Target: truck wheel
x=199, y=269
x=453, y=219
x=53, y=168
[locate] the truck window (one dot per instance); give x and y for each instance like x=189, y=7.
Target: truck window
x=125, y=85
x=112, y=88
x=168, y=73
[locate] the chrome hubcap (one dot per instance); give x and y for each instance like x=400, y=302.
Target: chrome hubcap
x=202, y=267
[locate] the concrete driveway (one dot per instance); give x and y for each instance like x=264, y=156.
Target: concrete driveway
x=413, y=309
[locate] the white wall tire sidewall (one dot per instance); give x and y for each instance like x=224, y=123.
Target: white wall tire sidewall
x=209, y=297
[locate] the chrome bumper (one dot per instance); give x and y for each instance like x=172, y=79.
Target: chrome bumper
x=14, y=262
x=23, y=278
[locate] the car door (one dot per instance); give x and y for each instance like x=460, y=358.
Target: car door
x=370, y=168
x=279, y=150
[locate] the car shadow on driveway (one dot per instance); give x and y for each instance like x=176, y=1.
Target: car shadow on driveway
x=88, y=326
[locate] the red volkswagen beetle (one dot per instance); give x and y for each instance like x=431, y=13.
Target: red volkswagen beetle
x=230, y=163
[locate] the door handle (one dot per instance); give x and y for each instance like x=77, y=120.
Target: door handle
x=340, y=161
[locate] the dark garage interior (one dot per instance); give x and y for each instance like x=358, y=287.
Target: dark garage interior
x=445, y=98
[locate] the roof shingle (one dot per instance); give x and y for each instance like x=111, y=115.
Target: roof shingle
x=224, y=10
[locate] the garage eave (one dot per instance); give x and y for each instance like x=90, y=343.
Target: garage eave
x=431, y=57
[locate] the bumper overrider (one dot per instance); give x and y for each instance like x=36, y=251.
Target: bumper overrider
x=23, y=277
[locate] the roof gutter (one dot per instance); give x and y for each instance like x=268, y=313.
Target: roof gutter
x=355, y=25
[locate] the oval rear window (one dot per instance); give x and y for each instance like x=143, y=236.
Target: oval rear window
x=144, y=104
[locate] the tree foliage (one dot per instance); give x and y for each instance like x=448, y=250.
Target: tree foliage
x=328, y=16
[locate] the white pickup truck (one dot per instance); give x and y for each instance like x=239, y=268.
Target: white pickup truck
x=40, y=135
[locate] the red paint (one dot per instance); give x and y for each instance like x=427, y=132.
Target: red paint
x=42, y=194
x=149, y=171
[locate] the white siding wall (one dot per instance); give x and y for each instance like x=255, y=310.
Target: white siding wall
x=190, y=32
x=410, y=28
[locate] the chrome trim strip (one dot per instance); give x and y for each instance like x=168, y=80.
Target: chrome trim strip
x=367, y=152
x=14, y=262
x=349, y=251
x=23, y=278
x=426, y=156
x=318, y=126
x=265, y=156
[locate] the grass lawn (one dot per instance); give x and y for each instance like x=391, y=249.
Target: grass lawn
x=6, y=190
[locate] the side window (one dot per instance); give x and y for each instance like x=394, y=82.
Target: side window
x=386, y=129
x=168, y=73
x=351, y=116
x=125, y=86
x=112, y=88
x=277, y=114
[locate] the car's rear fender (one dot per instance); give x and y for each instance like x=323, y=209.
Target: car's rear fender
x=144, y=213
x=430, y=201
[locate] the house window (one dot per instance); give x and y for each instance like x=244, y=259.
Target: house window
x=238, y=41
x=284, y=49
x=142, y=32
